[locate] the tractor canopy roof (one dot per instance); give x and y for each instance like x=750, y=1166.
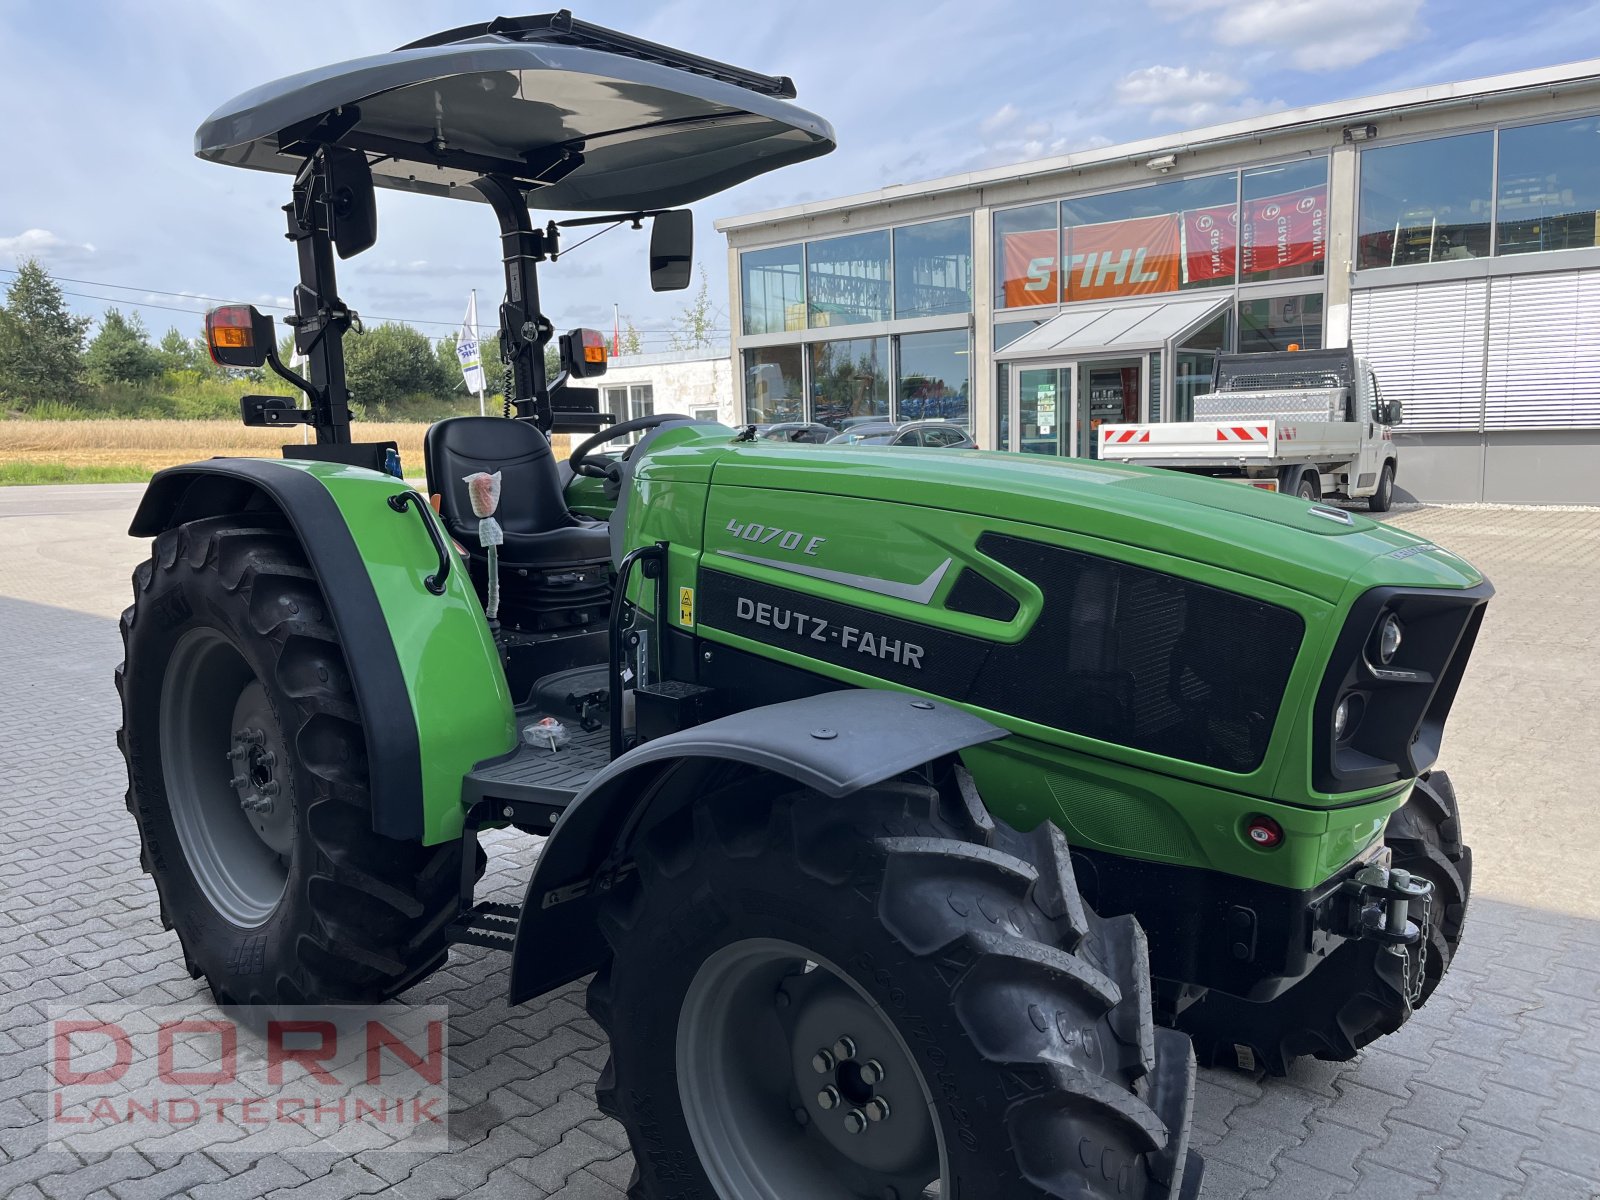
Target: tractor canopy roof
x=585, y=118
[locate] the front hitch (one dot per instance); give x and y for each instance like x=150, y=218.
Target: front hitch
x=1395, y=909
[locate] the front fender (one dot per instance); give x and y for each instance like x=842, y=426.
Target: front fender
x=835, y=744
x=427, y=678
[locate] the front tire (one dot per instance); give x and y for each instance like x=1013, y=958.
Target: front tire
x=247, y=777
x=859, y=998
x=1383, y=499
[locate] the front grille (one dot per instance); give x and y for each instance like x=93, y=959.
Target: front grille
x=1141, y=658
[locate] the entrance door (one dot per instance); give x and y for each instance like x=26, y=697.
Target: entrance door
x=1044, y=409
x=1110, y=393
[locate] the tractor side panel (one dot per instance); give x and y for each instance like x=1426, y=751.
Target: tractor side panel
x=875, y=594
x=427, y=677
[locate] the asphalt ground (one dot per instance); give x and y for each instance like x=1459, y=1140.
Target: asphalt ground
x=1493, y=1090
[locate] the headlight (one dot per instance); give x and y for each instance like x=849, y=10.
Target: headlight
x=1388, y=639
x=1341, y=719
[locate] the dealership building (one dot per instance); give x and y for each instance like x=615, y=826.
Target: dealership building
x=1450, y=234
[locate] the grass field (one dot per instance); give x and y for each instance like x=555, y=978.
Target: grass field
x=128, y=450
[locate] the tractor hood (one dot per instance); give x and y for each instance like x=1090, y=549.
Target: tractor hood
x=1315, y=549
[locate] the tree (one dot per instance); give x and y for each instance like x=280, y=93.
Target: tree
x=631, y=342
x=178, y=353
x=121, y=351
x=391, y=363
x=696, y=321
x=41, y=343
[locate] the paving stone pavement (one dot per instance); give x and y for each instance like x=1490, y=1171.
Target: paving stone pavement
x=1490, y=1092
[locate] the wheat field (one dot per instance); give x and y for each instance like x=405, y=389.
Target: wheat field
x=130, y=443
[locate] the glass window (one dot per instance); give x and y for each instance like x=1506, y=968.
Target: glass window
x=1286, y=220
x=617, y=403
x=1426, y=202
x=1549, y=190
x=849, y=381
x=1005, y=334
x=774, y=289
x=1027, y=245
x=934, y=372
x=1280, y=322
x=642, y=400
x=1192, y=366
x=1148, y=240
x=847, y=279
x=933, y=268
x=772, y=385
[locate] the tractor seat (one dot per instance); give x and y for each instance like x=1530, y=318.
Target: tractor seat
x=554, y=565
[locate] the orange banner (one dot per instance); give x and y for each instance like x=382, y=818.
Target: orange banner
x=1029, y=263
x=1123, y=258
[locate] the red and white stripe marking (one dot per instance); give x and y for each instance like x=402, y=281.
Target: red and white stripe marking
x=1117, y=437
x=1242, y=433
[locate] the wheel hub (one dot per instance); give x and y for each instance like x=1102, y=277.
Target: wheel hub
x=852, y=1114
x=224, y=761
x=257, y=756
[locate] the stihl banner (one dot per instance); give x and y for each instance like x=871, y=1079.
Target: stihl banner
x=1122, y=258
x=1149, y=255
x=1029, y=262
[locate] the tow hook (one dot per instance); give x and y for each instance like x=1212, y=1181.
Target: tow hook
x=1387, y=900
x=1394, y=908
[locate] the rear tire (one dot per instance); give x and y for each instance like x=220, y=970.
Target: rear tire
x=1381, y=500
x=233, y=667
x=1343, y=1005
x=956, y=954
x=1309, y=487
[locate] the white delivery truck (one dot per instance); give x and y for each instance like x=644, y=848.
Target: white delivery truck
x=1311, y=423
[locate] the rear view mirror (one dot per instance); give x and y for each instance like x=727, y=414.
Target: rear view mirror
x=353, y=207
x=671, y=250
x=1391, y=413
x=238, y=336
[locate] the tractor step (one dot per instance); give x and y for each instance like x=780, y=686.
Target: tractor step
x=487, y=924
x=544, y=779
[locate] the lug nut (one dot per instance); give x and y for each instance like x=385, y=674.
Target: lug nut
x=822, y=1062
x=238, y=781
x=877, y=1109
x=828, y=1097
x=855, y=1121
x=844, y=1049
x=872, y=1072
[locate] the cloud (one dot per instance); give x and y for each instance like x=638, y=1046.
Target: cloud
x=47, y=247
x=1168, y=86
x=1003, y=117
x=1185, y=97
x=1319, y=35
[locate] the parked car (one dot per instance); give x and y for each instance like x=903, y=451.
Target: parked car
x=794, y=431
x=945, y=435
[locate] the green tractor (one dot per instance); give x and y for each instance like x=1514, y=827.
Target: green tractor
x=911, y=811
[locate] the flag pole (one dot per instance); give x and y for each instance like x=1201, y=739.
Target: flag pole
x=482, y=377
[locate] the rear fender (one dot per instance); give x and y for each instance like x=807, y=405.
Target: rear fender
x=424, y=669
x=835, y=744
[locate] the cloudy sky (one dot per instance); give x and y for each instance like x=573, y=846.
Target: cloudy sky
x=99, y=180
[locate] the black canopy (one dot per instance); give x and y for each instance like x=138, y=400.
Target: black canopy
x=587, y=123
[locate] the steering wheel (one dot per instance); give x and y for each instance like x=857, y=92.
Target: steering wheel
x=577, y=460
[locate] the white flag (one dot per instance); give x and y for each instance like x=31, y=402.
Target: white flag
x=467, y=349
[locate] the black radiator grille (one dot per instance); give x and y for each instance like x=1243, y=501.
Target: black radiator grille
x=1140, y=658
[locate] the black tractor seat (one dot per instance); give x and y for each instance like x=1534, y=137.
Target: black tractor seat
x=555, y=566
